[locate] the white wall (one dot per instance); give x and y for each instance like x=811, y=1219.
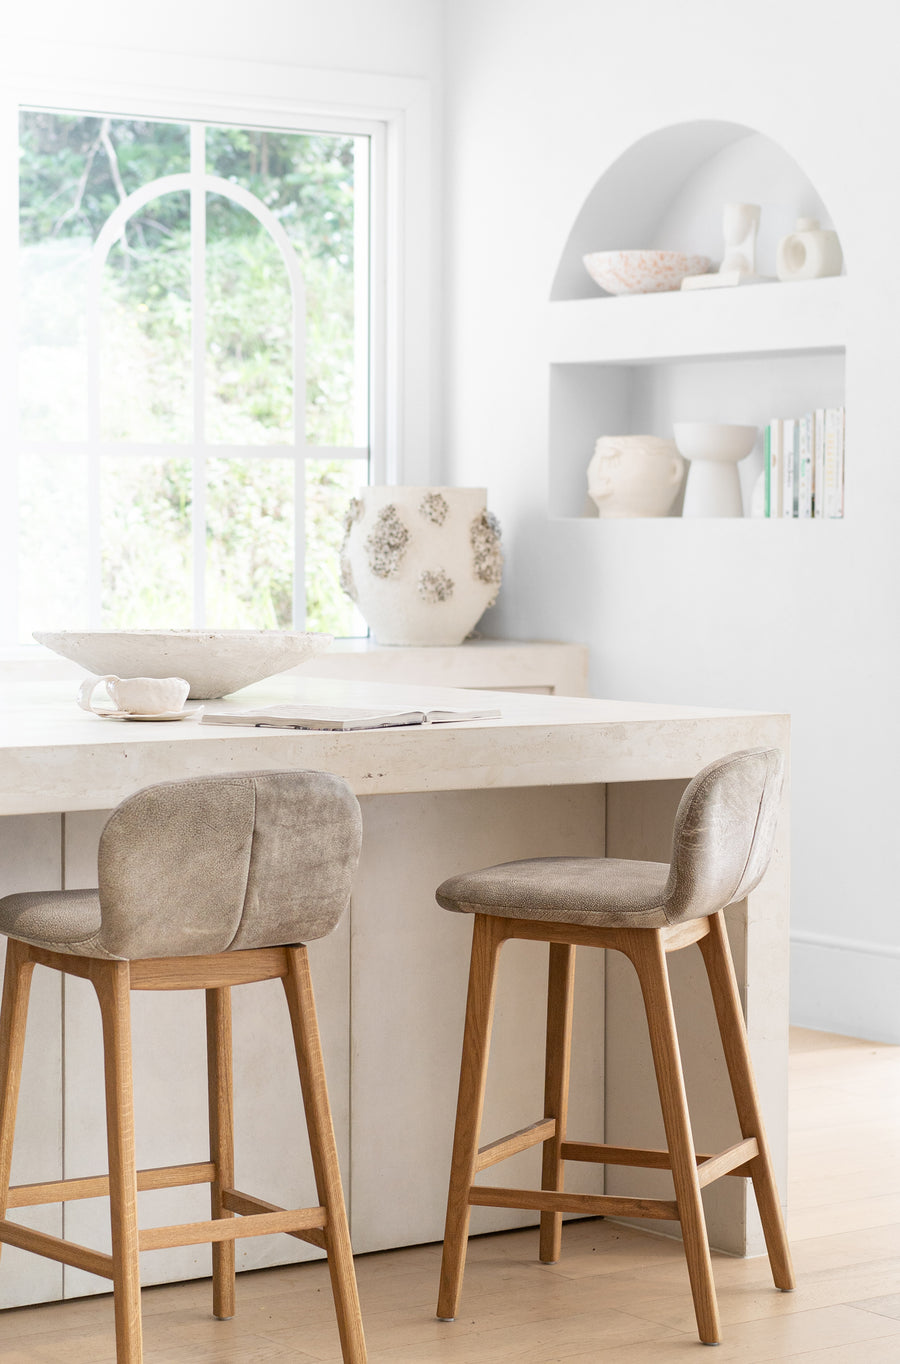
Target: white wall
x=394, y=37
x=541, y=97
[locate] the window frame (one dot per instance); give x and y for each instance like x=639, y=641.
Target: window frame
x=393, y=111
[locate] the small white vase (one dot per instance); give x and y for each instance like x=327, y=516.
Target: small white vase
x=634, y=476
x=422, y=564
x=810, y=252
x=714, y=449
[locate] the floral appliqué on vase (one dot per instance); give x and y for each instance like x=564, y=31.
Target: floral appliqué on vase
x=386, y=544
x=435, y=585
x=484, y=537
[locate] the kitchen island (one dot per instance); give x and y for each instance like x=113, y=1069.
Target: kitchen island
x=552, y=775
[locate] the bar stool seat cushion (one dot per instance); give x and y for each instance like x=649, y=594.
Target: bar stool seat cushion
x=599, y=892
x=60, y=920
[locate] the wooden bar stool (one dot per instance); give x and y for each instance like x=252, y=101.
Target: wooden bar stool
x=724, y=834
x=203, y=884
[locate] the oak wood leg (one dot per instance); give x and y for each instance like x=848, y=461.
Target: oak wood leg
x=13, y=1014
x=723, y=984
x=111, y=981
x=645, y=948
x=298, y=988
x=560, y=995
x=221, y=1139
x=487, y=939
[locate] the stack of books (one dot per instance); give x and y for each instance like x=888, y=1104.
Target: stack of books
x=804, y=465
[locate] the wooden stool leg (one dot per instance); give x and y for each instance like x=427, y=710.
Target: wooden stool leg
x=560, y=993
x=720, y=969
x=298, y=988
x=111, y=981
x=13, y=1013
x=487, y=939
x=221, y=1139
x=646, y=951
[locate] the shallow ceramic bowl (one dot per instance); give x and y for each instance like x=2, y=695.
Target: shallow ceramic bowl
x=215, y=662
x=643, y=272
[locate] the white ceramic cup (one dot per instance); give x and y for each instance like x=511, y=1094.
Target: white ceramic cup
x=136, y=695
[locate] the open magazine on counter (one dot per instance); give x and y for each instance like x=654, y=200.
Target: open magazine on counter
x=342, y=717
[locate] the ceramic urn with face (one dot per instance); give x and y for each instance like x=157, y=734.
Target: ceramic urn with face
x=635, y=476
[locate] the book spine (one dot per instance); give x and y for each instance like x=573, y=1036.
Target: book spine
x=788, y=484
x=776, y=457
x=767, y=470
x=830, y=462
x=840, y=423
x=819, y=463
x=804, y=466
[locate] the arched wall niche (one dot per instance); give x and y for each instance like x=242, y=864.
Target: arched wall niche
x=637, y=365
x=667, y=191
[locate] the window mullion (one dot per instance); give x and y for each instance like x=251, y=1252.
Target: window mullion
x=198, y=367
x=298, y=297
x=94, y=286
x=9, y=394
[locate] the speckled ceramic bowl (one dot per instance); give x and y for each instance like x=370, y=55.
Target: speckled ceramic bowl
x=215, y=662
x=643, y=272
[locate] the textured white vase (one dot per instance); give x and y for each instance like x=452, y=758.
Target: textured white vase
x=422, y=564
x=634, y=476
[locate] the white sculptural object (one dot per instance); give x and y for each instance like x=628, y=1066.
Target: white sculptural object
x=740, y=224
x=714, y=450
x=634, y=476
x=810, y=252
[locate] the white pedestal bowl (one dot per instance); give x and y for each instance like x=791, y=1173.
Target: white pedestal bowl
x=714, y=449
x=214, y=662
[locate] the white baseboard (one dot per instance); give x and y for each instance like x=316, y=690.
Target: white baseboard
x=845, y=986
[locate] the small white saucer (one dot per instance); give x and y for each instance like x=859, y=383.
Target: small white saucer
x=163, y=715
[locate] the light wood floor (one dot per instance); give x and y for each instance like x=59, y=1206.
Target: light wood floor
x=617, y=1295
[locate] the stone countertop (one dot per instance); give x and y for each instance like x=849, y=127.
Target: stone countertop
x=56, y=757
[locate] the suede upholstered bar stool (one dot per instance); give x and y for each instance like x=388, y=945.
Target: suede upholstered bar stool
x=203, y=884
x=723, y=839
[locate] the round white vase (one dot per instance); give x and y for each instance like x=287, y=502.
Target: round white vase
x=714, y=449
x=809, y=252
x=422, y=564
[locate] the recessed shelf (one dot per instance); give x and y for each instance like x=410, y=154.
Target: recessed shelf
x=762, y=319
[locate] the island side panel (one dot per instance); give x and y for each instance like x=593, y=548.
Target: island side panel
x=168, y=1034
x=640, y=819
x=30, y=859
x=409, y=972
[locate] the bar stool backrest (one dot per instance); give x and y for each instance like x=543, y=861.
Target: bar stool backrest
x=724, y=833
x=217, y=864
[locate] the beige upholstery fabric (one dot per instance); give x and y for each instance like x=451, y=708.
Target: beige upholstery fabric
x=724, y=833
x=723, y=840
x=207, y=865
x=572, y=890
x=58, y=919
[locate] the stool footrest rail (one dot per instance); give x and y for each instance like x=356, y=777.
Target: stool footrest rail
x=588, y=1205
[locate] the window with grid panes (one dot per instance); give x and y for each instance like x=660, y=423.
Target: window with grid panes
x=193, y=372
